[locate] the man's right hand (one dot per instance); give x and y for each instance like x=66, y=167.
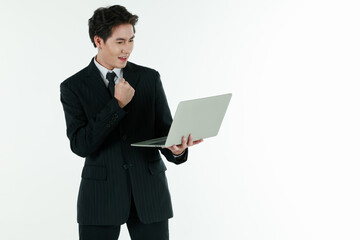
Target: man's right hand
x=123, y=92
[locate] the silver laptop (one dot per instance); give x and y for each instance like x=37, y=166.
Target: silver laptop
x=201, y=117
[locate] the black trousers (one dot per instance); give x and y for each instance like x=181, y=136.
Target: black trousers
x=137, y=229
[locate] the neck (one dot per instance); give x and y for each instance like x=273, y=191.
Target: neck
x=101, y=61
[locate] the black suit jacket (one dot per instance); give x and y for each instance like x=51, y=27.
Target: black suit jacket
x=101, y=131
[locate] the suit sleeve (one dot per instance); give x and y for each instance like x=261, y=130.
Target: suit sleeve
x=87, y=135
x=163, y=121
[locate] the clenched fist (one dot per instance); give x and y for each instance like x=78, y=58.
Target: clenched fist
x=123, y=92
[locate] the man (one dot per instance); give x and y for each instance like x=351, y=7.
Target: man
x=108, y=105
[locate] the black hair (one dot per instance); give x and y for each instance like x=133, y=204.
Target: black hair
x=105, y=19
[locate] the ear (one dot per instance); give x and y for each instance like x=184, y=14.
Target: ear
x=99, y=42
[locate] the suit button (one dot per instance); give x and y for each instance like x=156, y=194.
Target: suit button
x=124, y=137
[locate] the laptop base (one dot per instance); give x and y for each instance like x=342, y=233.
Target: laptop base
x=155, y=142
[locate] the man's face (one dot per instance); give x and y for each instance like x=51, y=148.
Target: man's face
x=118, y=47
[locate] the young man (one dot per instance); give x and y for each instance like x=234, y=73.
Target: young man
x=108, y=105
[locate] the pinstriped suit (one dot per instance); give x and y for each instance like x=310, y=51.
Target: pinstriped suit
x=101, y=131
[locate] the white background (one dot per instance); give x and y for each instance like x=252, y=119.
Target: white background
x=285, y=164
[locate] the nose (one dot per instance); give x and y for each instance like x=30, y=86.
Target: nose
x=125, y=52
x=126, y=49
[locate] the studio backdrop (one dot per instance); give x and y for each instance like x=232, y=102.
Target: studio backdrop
x=285, y=164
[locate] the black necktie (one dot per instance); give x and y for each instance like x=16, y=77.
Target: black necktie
x=111, y=76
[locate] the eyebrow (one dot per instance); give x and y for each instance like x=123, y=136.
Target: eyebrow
x=123, y=39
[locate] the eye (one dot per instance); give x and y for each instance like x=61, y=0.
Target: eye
x=119, y=42
x=131, y=40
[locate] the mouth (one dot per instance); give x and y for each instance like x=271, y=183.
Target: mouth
x=123, y=59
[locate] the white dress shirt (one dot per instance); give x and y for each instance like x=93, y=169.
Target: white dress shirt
x=103, y=70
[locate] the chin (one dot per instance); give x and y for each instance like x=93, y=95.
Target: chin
x=121, y=65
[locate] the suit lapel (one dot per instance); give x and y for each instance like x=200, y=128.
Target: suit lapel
x=96, y=83
x=131, y=75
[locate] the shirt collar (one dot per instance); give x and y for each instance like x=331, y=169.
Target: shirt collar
x=103, y=70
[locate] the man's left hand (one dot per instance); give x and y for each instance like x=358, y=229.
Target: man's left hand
x=178, y=149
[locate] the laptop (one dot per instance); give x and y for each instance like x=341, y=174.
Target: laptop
x=201, y=117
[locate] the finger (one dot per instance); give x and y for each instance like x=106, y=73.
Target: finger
x=181, y=146
x=122, y=80
x=174, y=148
x=190, y=141
x=183, y=142
x=198, y=141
